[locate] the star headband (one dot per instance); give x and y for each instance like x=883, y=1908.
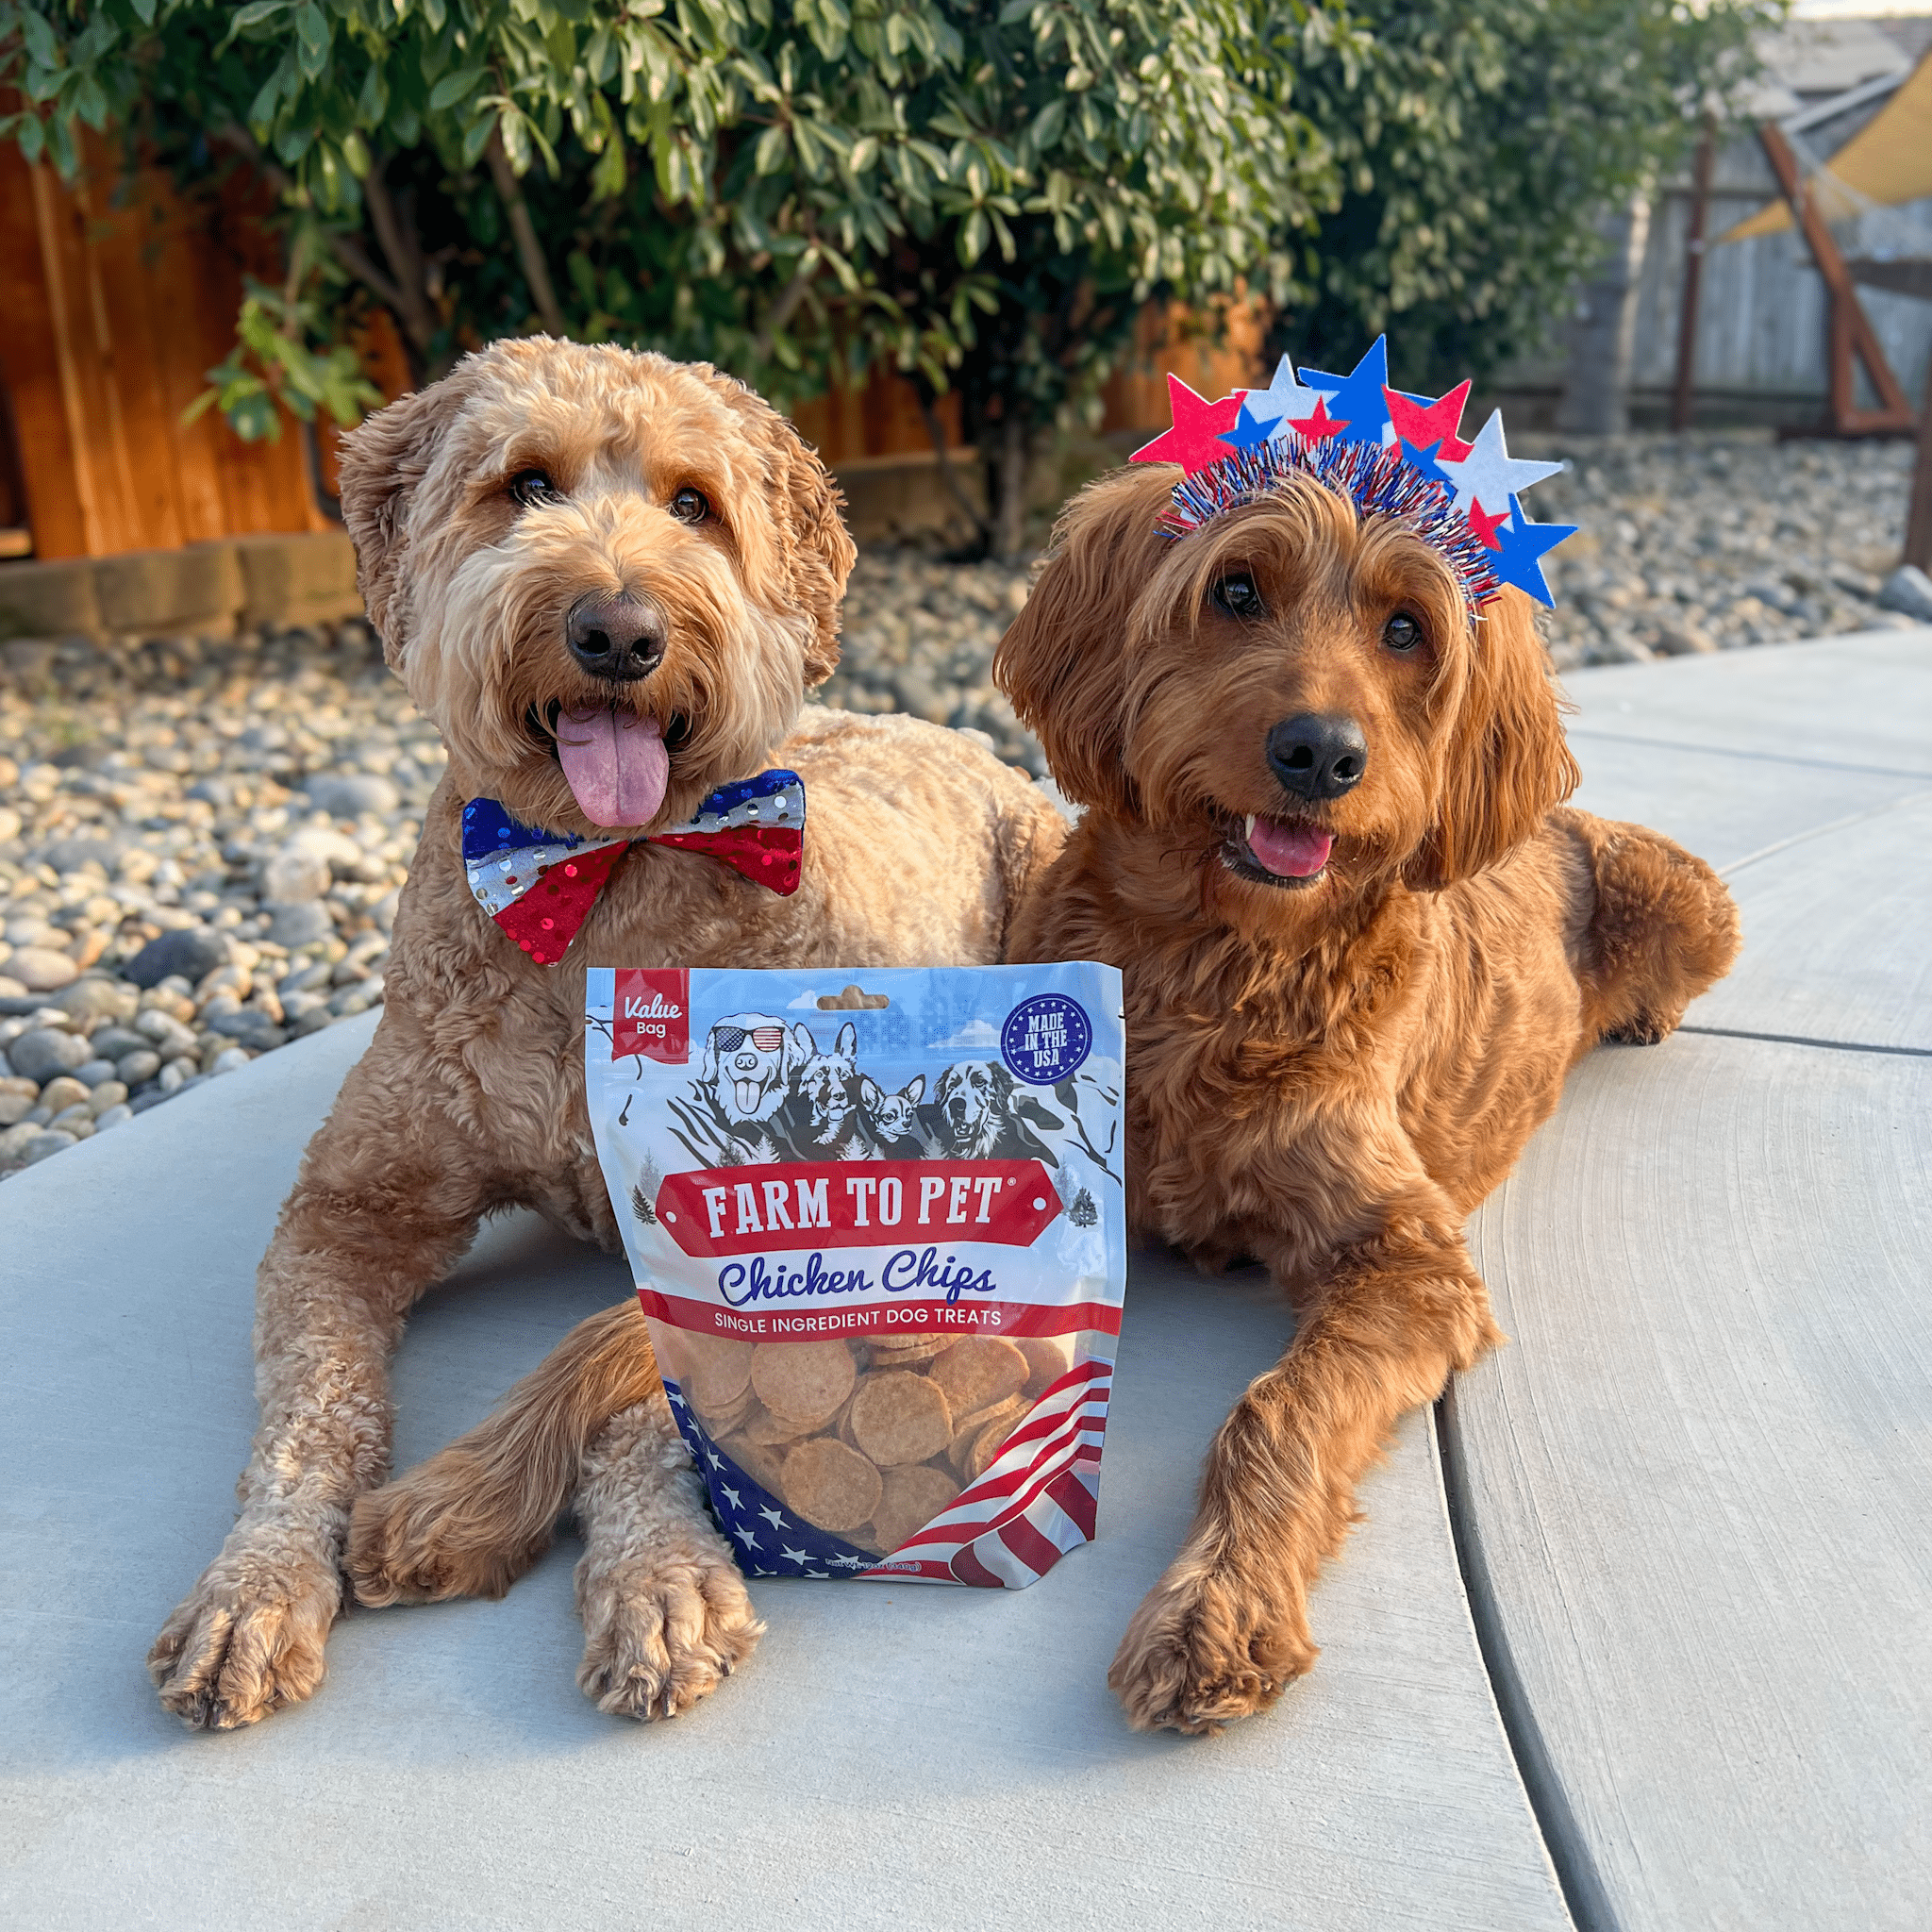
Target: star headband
x=1391, y=454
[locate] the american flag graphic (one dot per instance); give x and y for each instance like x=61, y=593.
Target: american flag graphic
x=1034, y=1503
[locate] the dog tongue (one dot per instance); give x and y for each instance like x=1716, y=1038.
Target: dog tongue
x=616, y=764
x=1288, y=849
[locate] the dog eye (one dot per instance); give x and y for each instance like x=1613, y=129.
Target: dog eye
x=1402, y=632
x=532, y=487
x=1238, y=596
x=690, y=506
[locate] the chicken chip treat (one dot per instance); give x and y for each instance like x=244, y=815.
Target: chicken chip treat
x=879, y=1235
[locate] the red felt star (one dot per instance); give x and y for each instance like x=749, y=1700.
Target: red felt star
x=1483, y=524
x=1423, y=423
x=1195, y=442
x=1319, y=426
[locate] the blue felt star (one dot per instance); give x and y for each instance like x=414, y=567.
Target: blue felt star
x=1424, y=461
x=1248, y=430
x=1357, y=402
x=1521, y=546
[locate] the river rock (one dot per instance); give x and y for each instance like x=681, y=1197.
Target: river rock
x=297, y=873
x=1909, y=590
x=299, y=926
x=46, y=1053
x=192, y=953
x=41, y=970
x=134, y=1069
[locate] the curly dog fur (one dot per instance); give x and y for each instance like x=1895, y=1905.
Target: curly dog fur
x=1326, y=1072
x=471, y=1098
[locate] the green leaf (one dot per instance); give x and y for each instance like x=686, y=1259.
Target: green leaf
x=372, y=103
x=768, y=155
x=455, y=87
x=42, y=43
x=312, y=40
x=245, y=18
x=608, y=176
x=89, y=103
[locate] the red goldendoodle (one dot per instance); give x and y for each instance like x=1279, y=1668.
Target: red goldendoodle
x=1363, y=942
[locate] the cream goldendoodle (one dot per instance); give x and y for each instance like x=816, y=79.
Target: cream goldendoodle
x=610, y=580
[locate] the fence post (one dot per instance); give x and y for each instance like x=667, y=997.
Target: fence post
x=1693, y=275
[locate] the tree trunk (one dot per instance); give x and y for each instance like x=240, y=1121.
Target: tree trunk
x=1009, y=538
x=936, y=434
x=523, y=233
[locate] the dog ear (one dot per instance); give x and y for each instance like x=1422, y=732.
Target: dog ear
x=913, y=1090
x=707, y=1071
x=847, y=1042
x=1506, y=761
x=820, y=550
x=870, y=1095
x=1061, y=662
x=381, y=462
x=799, y=1047
x=1003, y=1083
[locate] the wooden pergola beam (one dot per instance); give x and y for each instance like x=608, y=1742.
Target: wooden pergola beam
x=1852, y=333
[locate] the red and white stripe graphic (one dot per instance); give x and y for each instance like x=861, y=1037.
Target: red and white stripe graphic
x=1034, y=1502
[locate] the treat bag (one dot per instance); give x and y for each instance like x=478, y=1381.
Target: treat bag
x=878, y=1231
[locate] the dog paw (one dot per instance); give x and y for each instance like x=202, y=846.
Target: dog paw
x=1206, y=1648
x=249, y=1637
x=662, y=1631
x=435, y=1533
x=1643, y=1029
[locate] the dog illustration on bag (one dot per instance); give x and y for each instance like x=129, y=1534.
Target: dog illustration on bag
x=744, y=1080
x=975, y=1115
x=894, y=1118
x=825, y=1119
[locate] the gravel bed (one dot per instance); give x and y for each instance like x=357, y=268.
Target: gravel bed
x=1712, y=542
x=202, y=840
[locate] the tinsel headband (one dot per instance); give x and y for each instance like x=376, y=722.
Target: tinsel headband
x=1391, y=454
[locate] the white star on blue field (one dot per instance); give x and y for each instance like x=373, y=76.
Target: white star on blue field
x=771, y=1539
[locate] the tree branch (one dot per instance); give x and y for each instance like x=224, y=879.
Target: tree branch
x=413, y=308
x=346, y=249
x=948, y=475
x=789, y=297
x=529, y=252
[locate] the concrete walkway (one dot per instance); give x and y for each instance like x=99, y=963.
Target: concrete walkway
x=1648, y=1649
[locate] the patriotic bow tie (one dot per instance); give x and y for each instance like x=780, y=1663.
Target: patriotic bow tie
x=540, y=886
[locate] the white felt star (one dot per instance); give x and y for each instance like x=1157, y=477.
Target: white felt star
x=1489, y=474
x=716, y=1461
x=1285, y=399
x=794, y=1555
x=774, y=1517
x=731, y=1496
x=746, y=1536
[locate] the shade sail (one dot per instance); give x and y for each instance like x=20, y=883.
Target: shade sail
x=1888, y=162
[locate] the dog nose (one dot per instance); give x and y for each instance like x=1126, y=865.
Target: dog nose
x=1319, y=755
x=615, y=637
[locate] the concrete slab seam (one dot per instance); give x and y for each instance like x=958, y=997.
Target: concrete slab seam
x=1845, y=824
x=1917, y=1053
x=1732, y=751
x=1584, y=1895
